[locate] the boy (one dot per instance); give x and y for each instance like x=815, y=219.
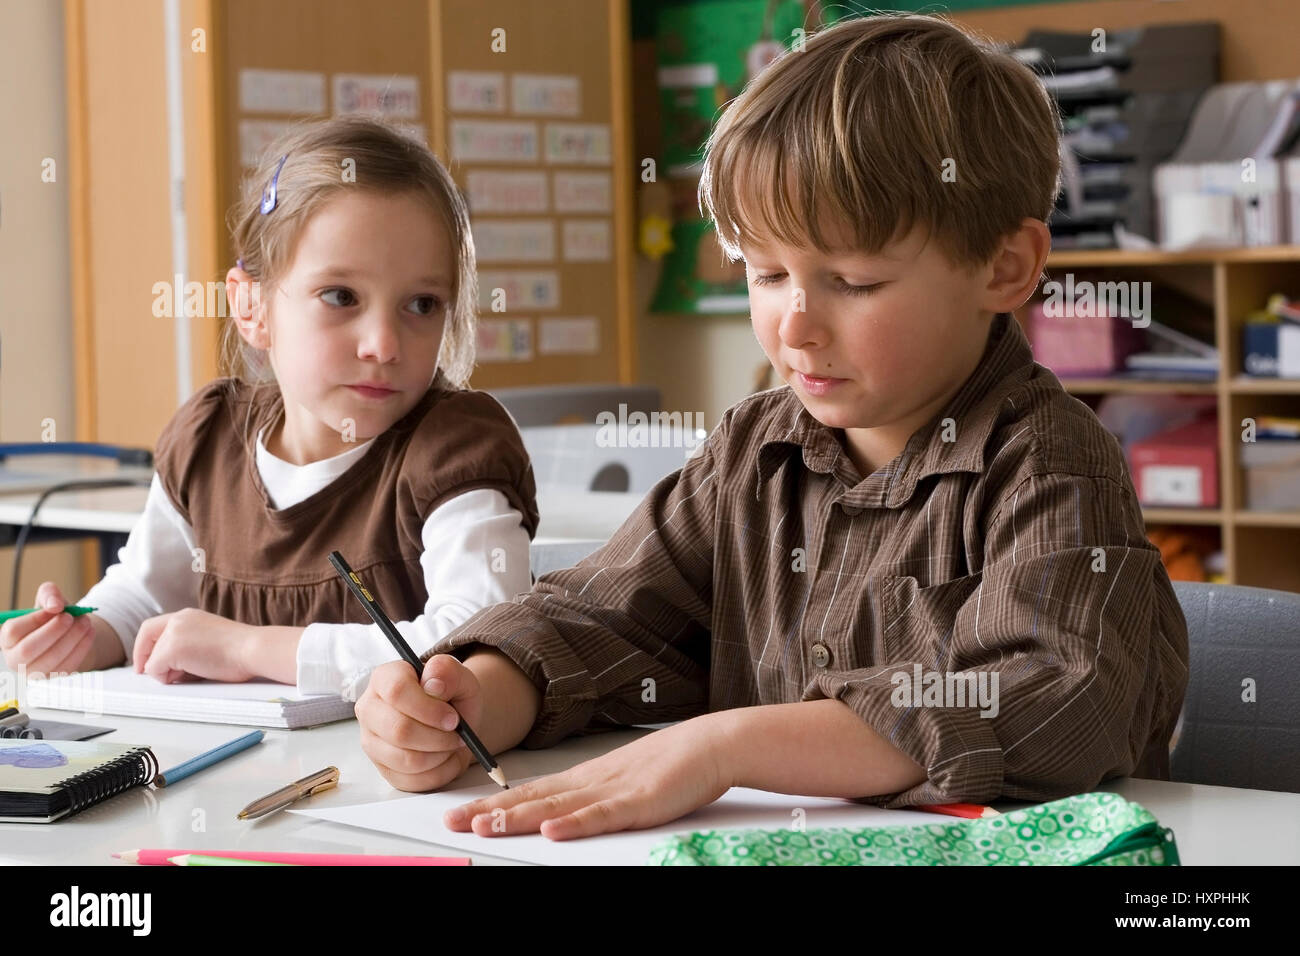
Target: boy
x=921, y=511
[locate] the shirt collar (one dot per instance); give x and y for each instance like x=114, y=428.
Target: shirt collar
x=975, y=410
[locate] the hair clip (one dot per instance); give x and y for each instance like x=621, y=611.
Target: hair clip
x=268, y=194
x=239, y=263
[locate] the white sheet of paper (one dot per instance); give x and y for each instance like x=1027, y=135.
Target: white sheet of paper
x=420, y=818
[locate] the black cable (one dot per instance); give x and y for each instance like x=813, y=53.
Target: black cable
x=80, y=485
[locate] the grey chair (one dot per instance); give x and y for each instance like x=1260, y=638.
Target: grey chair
x=579, y=457
x=567, y=404
x=552, y=556
x=1234, y=634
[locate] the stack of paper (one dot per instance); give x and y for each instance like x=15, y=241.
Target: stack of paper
x=122, y=691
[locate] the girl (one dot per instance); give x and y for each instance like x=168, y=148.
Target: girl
x=344, y=423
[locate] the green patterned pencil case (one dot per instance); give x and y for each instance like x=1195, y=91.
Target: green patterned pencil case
x=1092, y=829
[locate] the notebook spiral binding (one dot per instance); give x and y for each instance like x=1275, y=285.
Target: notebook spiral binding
x=136, y=768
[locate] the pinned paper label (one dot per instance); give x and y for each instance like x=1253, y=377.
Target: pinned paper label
x=281, y=91
x=499, y=240
x=472, y=91
x=533, y=94
x=521, y=192
x=583, y=192
x=392, y=96
x=578, y=143
x=511, y=291
x=489, y=141
x=586, y=240
x=568, y=336
x=504, y=340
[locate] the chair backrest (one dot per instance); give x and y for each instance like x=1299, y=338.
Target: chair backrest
x=595, y=458
x=1240, y=725
x=573, y=404
x=547, y=556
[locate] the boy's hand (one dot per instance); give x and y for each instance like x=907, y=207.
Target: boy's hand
x=47, y=641
x=409, y=733
x=193, y=643
x=650, y=781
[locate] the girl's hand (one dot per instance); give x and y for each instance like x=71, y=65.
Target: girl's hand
x=47, y=641
x=193, y=643
x=650, y=781
x=409, y=733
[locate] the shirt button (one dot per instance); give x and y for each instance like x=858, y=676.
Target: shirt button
x=821, y=655
x=850, y=510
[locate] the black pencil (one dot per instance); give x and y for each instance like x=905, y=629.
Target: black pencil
x=404, y=651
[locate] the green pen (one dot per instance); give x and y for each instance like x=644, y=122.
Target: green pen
x=73, y=609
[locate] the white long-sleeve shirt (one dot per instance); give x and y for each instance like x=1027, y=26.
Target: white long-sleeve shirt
x=155, y=573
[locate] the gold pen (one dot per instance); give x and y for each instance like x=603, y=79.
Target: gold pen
x=320, y=780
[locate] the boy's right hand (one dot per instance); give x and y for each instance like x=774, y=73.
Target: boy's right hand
x=49, y=640
x=409, y=734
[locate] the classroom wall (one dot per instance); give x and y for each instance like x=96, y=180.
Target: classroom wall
x=700, y=363
x=36, y=372
x=706, y=363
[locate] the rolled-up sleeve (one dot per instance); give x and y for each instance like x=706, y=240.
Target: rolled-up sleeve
x=622, y=637
x=1068, y=644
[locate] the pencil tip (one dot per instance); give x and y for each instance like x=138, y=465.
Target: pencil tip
x=497, y=774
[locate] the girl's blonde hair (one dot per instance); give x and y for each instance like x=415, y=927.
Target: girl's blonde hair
x=384, y=158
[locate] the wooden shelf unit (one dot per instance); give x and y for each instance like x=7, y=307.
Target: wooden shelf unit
x=1261, y=548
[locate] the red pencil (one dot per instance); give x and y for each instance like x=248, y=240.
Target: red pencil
x=972, y=811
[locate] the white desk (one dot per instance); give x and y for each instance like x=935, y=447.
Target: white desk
x=565, y=515
x=1213, y=825
x=572, y=523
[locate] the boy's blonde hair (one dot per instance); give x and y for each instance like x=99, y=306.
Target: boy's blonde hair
x=860, y=126
x=386, y=159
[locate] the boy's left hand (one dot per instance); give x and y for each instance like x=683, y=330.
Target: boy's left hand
x=191, y=643
x=658, y=778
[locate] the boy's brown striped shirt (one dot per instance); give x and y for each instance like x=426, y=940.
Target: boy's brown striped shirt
x=767, y=571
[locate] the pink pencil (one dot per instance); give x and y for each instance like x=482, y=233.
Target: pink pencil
x=160, y=858
x=972, y=811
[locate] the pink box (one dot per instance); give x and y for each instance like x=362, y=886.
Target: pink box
x=1077, y=345
x=1179, y=467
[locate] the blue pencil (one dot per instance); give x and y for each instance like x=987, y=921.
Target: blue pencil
x=204, y=760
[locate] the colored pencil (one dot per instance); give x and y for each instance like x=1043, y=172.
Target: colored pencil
x=198, y=859
x=162, y=858
x=971, y=811
x=205, y=760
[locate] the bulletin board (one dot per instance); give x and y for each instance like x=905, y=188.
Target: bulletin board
x=534, y=108
x=284, y=61
x=524, y=102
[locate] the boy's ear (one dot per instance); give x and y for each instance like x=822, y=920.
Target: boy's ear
x=1017, y=267
x=244, y=300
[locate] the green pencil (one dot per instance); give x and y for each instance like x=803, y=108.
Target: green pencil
x=198, y=859
x=72, y=609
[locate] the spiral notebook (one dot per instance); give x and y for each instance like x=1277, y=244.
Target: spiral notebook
x=43, y=780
